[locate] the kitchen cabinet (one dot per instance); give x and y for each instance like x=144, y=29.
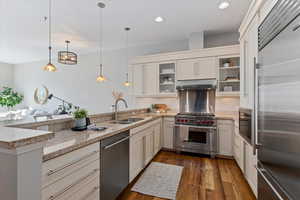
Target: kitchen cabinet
x=225, y=134
x=144, y=79
x=250, y=161
x=145, y=142
x=238, y=150
x=150, y=79
x=168, y=132
x=167, y=78
x=249, y=54
x=157, y=138
x=149, y=147
x=136, y=152
x=201, y=68
x=229, y=76
x=75, y=174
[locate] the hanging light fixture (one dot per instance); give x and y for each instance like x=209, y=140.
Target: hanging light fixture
x=100, y=77
x=50, y=67
x=127, y=83
x=67, y=57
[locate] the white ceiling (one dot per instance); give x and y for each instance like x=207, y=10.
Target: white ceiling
x=24, y=33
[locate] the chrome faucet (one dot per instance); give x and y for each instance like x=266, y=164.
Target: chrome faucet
x=116, y=106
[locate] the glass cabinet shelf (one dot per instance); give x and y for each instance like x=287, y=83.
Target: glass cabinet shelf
x=167, y=78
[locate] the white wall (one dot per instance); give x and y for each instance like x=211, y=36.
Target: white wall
x=6, y=75
x=221, y=39
x=77, y=83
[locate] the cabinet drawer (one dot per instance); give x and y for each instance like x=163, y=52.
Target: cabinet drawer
x=145, y=126
x=72, y=183
x=67, y=164
x=86, y=191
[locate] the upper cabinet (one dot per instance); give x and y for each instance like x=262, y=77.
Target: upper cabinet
x=150, y=79
x=229, y=76
x=202, y=68
x=155, y=76
x=167, y=77
x=144, y=79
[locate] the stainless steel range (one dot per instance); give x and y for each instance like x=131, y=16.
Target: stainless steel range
x=195, y=125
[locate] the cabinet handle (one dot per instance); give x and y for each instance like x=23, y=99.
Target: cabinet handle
x=53, y=171
x=118, y=142
x=72, y=185
x=90, y=193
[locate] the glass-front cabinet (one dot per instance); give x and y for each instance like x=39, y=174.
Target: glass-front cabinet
x=229, y=76
x=167, y=78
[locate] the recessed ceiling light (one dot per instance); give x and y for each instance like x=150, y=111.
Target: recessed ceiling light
x=223, y=5
x=159, y=19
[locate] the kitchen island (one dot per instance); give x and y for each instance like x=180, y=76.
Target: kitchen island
x=72, y=159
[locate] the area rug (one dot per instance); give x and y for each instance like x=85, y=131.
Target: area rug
x=159, y=180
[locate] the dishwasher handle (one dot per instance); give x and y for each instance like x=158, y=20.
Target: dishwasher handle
x=114, y=144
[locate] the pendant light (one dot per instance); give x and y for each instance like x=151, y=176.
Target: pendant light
x=100, y=77
x=127, y=83
x=50, y=67
x=67, y=57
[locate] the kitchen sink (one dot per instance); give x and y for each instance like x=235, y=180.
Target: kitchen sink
x=128, y=121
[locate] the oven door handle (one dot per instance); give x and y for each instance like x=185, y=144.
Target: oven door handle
x=198, y=127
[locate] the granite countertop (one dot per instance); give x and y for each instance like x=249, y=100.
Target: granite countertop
x=12, y=138
x=67, y=140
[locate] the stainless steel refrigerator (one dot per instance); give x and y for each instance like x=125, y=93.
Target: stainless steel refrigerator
x=278, y=103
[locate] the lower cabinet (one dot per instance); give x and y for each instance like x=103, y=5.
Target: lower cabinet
x=145, y=142
x=225, y=135
x=148, y=145
x=250, y=172
x=168, y=132
x=74, y=175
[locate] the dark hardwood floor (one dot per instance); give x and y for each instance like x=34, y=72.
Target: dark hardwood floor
x=202, y=179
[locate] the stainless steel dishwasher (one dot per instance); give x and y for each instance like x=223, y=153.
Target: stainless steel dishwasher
x=114, y=165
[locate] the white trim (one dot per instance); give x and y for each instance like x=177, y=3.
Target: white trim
x=181, y=55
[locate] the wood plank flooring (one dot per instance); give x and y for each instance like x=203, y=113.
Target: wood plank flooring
x=202, y=179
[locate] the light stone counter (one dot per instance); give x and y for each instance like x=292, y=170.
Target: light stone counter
x=13, y=138
x=67, y=140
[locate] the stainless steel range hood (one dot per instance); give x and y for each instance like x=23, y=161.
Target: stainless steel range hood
x=197, y=84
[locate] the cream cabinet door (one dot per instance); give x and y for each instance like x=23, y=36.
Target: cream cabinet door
x=249, y=54
x=150, y=79
x=202, y=68
x=225, y=132
x=250, y=161
x=149, y=145
x=136, y=72
x=136, y=163
x=168, y=133
x=157, y=138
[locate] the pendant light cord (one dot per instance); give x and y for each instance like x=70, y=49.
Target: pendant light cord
x=127, y=29
x=101, y=41
x=50, y=30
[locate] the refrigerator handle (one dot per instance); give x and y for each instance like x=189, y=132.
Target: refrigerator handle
x=254, y=141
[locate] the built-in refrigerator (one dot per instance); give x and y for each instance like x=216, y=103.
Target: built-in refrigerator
x=278, y=103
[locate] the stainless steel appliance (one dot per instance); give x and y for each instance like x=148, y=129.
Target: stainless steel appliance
x=246, y=124
x=196, y=133
x=195, y=125
x=278, y=105
x=114, y=176
x=197, y=96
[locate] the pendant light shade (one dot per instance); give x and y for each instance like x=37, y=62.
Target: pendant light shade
x=101, y=77
x=50, y=67
x=127, y=83
x=67, y=57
